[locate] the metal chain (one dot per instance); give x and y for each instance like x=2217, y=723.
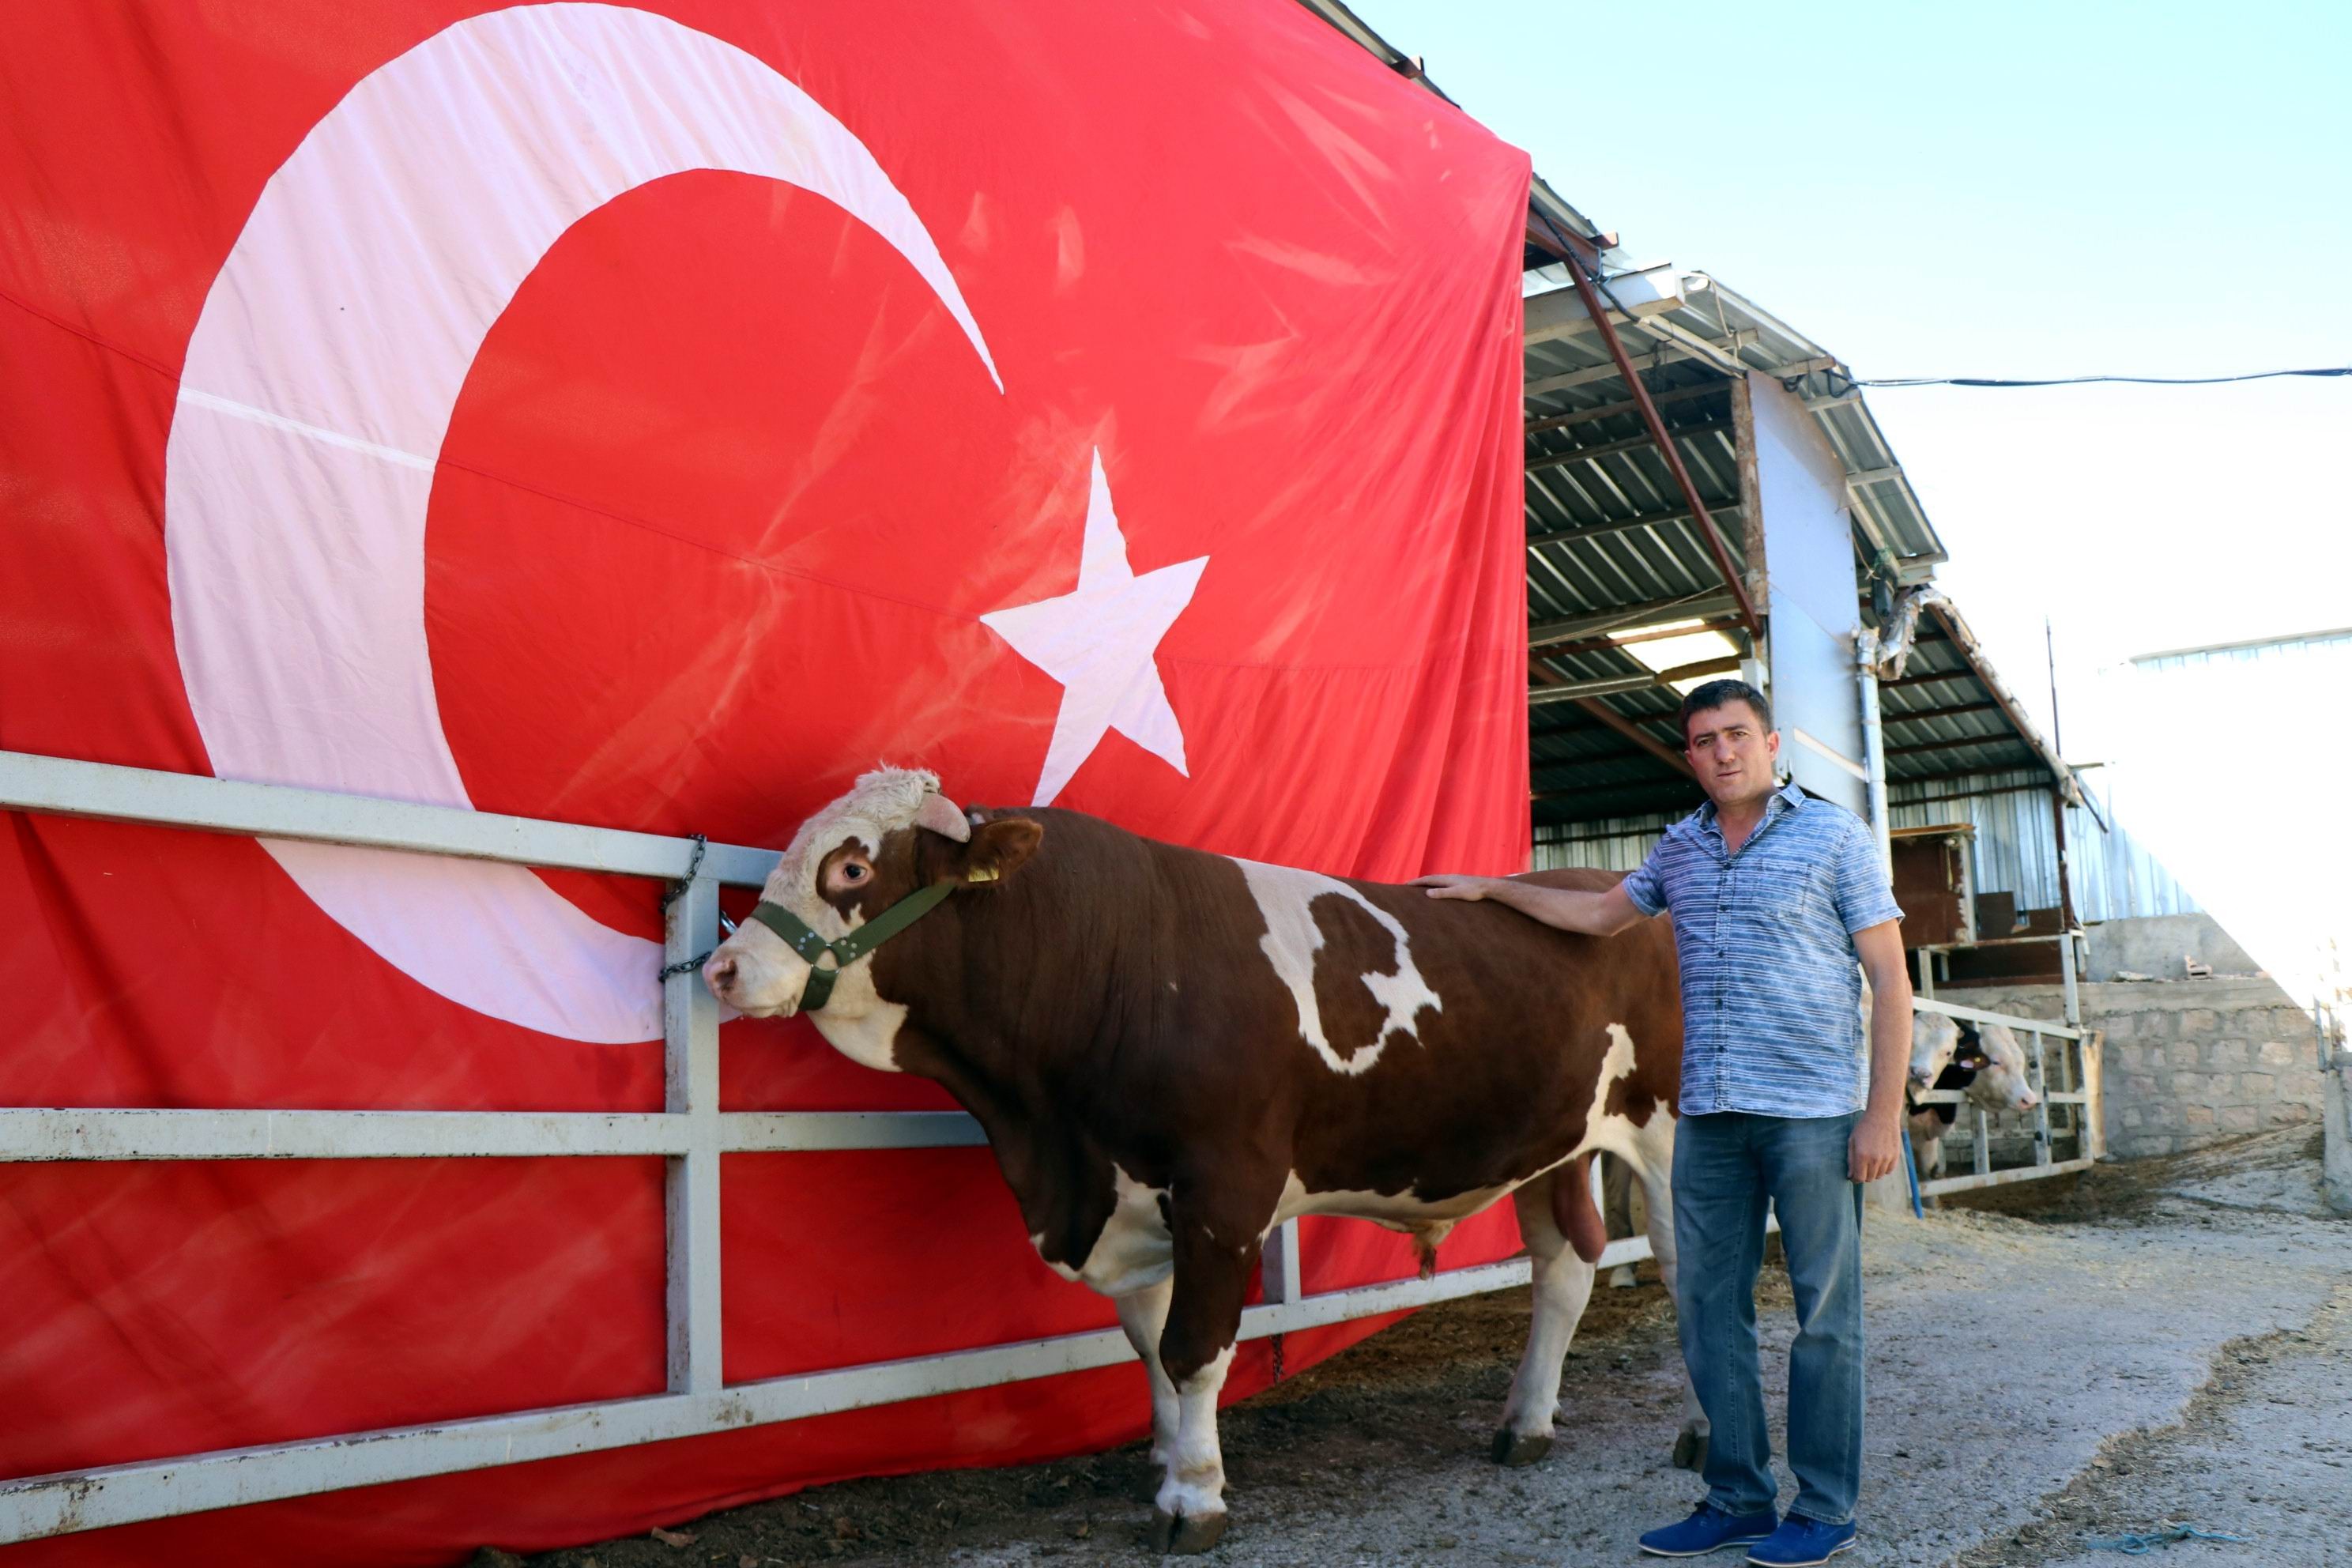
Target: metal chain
x=676, y=891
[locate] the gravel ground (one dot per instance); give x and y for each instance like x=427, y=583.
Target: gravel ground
x=2053, y=1363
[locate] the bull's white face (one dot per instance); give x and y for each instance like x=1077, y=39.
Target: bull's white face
x=1934, y=1038
x=2002, y=1084
x=830, y=860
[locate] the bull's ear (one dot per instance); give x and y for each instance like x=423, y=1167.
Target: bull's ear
x=998, y=848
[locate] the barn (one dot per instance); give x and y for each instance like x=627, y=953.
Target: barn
x=482, y=476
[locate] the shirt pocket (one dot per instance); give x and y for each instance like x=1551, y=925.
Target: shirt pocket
x=1785, y=911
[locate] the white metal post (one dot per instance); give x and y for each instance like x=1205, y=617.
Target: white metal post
x=691, y=1088
x=1278, y=1264
x=2041, y=1103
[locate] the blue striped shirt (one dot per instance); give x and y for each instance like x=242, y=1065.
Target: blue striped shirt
x=1771, y=987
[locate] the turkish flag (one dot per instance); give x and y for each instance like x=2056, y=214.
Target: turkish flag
x=654, y=417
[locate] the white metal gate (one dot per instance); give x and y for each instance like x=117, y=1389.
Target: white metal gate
x=690, y=1133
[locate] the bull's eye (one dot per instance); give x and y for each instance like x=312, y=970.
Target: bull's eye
x=853, y=873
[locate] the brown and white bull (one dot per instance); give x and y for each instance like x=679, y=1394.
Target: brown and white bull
x=1172, y=1052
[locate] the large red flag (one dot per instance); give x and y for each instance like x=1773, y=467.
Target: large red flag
x=654, y=417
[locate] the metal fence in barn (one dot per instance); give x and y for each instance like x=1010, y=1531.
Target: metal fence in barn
x=690, y=1132
x=2016, y=850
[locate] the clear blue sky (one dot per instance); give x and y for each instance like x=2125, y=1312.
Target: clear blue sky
x=2001, y=190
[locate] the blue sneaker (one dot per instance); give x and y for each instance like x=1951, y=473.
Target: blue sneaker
x=1709, y=1528
x=1801, y=1542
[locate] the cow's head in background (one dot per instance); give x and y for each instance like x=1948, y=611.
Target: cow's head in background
x=2002, y=1084
x=1934, y=1038
x=892, y=834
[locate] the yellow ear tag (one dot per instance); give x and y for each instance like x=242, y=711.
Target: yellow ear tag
x=981, y=874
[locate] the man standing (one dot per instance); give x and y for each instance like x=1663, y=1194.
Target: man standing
x=1774, y=895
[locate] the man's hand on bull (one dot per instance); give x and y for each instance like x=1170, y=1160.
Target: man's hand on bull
x=1876, y=1144
x=1602, y=913
x=1471, y=889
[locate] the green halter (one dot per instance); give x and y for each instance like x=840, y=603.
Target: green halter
x=848, y=949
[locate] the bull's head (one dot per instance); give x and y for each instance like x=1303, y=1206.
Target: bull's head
x=892, y=836
x=1934, y=1038
x=2003, y=1085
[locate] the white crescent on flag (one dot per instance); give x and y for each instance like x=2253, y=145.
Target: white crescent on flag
x=318, y=385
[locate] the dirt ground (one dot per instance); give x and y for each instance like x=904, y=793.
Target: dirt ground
x=2051, y=1364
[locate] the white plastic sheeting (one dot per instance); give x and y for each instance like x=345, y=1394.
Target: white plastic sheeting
x=2217, y=751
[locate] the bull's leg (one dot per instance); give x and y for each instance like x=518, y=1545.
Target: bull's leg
x=1196, y=1348
x=1144, y=1316
x=1656, y=1168
x=1563, y=1282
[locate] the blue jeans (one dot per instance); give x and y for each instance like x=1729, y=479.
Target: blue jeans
x=1727, y=1165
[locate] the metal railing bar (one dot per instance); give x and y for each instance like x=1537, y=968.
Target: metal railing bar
x=1979, y=1016
x=113, y=1133
x=41, y=1134
x=29, y=782
x=38, y=1506
x=2001, y=1178
x=808, y=1131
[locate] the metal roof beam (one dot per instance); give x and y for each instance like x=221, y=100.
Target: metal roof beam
x=1723, y=353
x=1892, y=716
x=1621, y=410
x=1956, y=745
x=1559, y=313
x=1620, y=640
x=1630, y=444
x=1670, y=797
x=1569, y=379
x=1553, y=688
x=1691, y=607
x=1616, y=525
x=1636, y=734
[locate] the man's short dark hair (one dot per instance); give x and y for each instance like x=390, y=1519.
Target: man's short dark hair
x=1717, y=693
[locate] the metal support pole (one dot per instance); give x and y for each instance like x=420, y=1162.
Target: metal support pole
x=690, y=1186
x=2067, y=986
x=2035, y=1074
x=1708, y=530
x=2065, y=881
x=1874, y=742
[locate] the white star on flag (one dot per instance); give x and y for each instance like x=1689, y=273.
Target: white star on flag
x=1098, y=641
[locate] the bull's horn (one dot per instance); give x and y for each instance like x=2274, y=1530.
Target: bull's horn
x=943, y=817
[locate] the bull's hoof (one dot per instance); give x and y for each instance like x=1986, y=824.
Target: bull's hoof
x=1516, y=1449
x=1690, y=1451
x=1186, y=1536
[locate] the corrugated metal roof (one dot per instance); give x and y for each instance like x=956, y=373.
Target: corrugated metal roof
x=1612, y=542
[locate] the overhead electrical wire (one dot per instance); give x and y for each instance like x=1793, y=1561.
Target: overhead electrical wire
x=1841, y=382
x=2082, y=379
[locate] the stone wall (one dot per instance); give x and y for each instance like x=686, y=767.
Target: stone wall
x=2187, y=1061
x=2154, y=945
